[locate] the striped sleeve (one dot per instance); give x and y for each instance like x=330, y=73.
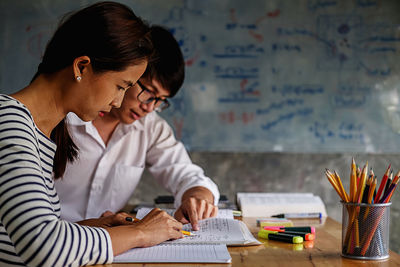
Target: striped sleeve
x=27, y=212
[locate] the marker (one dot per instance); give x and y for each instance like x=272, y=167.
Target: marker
x=305, y=236
x=280, y=237
x=299, y=215
x=303, y=229
x=131, y=219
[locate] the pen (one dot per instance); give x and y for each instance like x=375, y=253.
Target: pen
x=299, y=215
x=131, y=219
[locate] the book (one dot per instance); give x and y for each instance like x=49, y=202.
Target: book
x=222, y=229
x=187, y=253
x=270, y=204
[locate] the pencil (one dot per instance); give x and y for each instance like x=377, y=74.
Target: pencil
x=370, y=196
x=361, y=186
x=353, y=213
x=353, y=180
x=388, y=182
x=382, y=185
x=339, y=182
x=367, y=189
x=187, y=233
x=331, y=179
x=386, y=198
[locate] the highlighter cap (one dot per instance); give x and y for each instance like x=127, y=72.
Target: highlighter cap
x=309, y=237
x=263, y=234
x=297, y=239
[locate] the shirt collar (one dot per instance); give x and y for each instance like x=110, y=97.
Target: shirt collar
x=74, y=120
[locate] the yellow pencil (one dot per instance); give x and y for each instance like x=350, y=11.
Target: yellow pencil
x=339, y=182
x=331, y=179
x=187, y=233
x=361, y=186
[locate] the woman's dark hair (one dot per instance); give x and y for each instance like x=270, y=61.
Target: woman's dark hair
x=166, y=65
x=112, y=36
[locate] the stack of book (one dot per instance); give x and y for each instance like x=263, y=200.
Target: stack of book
x=275, y=204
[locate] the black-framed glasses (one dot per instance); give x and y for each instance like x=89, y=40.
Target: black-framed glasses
x=146, y=97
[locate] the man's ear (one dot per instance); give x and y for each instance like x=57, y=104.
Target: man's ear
x=80, y=66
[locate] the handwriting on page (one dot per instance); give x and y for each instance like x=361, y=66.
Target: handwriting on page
x=214, y=230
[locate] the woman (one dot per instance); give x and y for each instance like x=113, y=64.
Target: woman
x=94, y=56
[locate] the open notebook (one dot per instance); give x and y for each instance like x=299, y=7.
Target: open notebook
x=211, y=253
x=207, y=246
x=220, y=230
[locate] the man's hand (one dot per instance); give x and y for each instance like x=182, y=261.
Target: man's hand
x=197, y=204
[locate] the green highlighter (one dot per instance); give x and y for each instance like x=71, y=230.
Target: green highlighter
x=280, y=237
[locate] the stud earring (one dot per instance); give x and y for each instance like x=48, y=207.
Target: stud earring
x=78, y=78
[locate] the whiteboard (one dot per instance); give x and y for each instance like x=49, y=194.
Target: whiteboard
x=279, y=75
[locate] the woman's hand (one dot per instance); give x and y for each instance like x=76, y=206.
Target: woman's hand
x=196, y=205
x=158, y=226
x=154, y=228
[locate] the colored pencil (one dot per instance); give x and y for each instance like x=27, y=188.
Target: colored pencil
x=382, y=185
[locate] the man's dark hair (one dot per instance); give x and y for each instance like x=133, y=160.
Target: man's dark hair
x=166, y=65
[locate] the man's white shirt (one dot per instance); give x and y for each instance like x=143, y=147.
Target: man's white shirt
x=105, y=177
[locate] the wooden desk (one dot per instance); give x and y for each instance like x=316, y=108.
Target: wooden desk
x=323, y=251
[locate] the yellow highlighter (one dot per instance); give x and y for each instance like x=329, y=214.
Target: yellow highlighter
x=271, y=235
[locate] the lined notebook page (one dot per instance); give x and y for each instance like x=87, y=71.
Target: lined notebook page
x=216, y=253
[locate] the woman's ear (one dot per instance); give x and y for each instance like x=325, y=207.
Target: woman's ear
x=80, y=67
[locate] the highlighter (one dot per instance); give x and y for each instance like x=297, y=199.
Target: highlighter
x=303, y=229
x=280, y=237
x=305, y=236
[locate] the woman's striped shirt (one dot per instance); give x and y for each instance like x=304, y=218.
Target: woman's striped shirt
x=31, y=231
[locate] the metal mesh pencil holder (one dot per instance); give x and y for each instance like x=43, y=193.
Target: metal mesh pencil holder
x=365, y=231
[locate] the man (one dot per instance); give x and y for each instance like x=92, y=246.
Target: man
x=117, y=146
